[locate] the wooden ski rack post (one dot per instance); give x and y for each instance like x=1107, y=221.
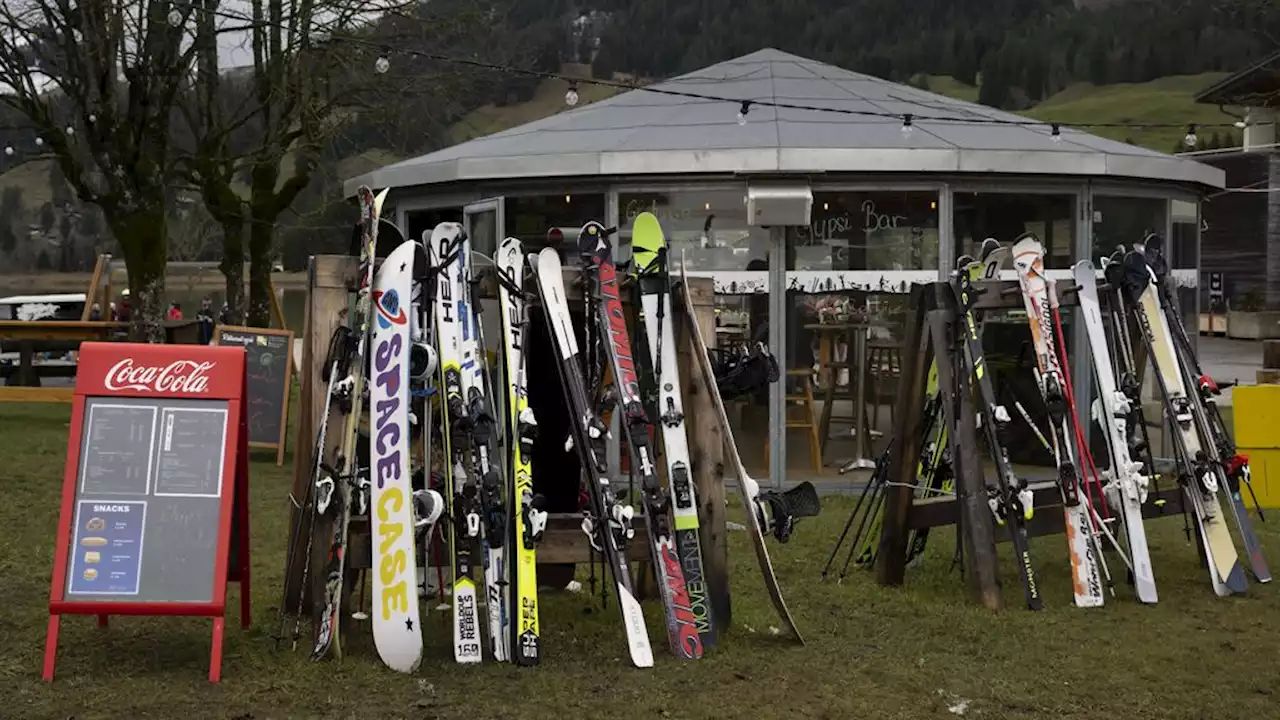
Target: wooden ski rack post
x=933, y=333
x=330, y=286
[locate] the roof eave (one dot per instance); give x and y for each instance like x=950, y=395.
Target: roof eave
x=797, y=161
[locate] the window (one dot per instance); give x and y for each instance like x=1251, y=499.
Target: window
x=1124, y=221
x=708, y=228
x=1051, y=218
x=552, y=220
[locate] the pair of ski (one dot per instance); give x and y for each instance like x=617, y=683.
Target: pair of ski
x=1139, y=279
x=671, y=517
x=486, y=502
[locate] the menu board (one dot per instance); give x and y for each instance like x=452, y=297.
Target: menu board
x=148, y=501
x=268, y=370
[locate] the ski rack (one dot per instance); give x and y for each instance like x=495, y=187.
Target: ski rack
x=331, y=280
x=933, y=333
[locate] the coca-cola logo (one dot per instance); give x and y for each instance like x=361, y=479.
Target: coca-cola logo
x=179, y=376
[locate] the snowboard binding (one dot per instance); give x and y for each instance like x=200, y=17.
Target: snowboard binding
x=778, y=512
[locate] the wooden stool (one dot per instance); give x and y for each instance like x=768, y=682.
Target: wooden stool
x=808, y=421
x=884, y=370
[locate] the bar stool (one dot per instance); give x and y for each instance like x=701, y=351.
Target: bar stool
x=808, y=420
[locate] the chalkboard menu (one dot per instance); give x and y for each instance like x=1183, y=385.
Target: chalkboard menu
x=269, y=368
x=150, y=477
x=154, y=517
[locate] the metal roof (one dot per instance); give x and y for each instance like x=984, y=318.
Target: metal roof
x=643, y=133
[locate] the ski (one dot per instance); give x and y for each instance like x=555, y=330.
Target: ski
x=784, y=508
x=337, y=492
x=445, y=249
x=1232, y=467
x=1028, y=262
x=604, y=297
x=1010, y=499
x=484, y=463
x=1196, y=472
x=396, y=633
x=606, y=522
x=1126, y=487
x=649, y=257
x=529, y=519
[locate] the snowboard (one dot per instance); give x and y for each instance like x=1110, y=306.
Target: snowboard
x=396, y=632
x=747, y=486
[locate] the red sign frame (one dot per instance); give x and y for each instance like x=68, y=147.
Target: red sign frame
x=202, y=372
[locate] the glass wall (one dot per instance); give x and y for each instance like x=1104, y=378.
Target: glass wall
x=708, y=229
x=1006, y=336
x=1005, y=216
x=1184, y=247
x=552, y=220
x=1125, y=220
x=847, y=278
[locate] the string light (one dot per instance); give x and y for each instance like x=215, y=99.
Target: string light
x=571, y=95
x=175, y=17
x=382, y=65
x=1056, y=135
x=39, y=142
x=8, y=150
x=1190, y=140
x=1241, y=124
x=70, y=131
x=742, y=112
x=906, y=124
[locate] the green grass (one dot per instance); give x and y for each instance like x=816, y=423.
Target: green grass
x=872, y=652
x=1168, y=100
x=951, y=87
x=547, y=100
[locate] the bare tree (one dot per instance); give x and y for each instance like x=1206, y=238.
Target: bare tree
x=97, y=81
x=259, y=135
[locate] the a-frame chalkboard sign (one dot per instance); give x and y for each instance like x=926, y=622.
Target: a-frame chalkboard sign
x=155, y=514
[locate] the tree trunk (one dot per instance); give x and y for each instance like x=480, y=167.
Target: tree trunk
x=260, y=236
x=1273, y=231
x=232, y=267
x=143, y=238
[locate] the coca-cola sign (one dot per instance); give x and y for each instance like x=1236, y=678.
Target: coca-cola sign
x=179, y=376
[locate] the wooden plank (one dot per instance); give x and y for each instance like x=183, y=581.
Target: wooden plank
x=90, y=297
x=891, y=557
x=59, y=330
x=14, y=394
x=976, y=532
x=706, y=452
x=328, y=299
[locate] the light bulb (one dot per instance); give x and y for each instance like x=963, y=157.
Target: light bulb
x=93, y=118
x=906, y=125
x=571, y=97
x=1241, y=124
x=742, y=112
x=568, y=198
x=742, y=118
x=1190, y=140
x=8, y=150
x=175, y=17
x=39, y=142
x=382, y=65
x=70, y=131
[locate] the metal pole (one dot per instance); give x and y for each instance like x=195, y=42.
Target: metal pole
x=777, y=341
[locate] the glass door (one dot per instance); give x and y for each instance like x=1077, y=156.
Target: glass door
x=484, y=222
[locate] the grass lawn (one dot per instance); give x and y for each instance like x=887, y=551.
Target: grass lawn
x=914, y=652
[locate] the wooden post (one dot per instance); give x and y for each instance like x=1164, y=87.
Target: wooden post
x=328, y=299
x=277, y=310
x=91, y=296
x=898, y=496
x=706, y=450
x=973, y=517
